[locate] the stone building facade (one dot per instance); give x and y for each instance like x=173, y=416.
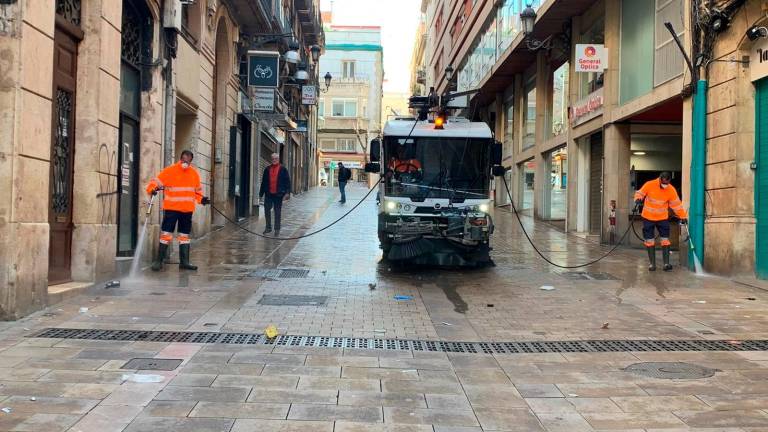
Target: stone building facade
x=579, y=143
x=96, y=96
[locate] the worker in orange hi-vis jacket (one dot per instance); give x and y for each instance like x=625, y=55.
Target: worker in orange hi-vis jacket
x=182, y=191
x=658, y=197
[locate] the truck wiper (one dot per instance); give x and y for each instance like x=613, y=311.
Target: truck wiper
x=442, y=189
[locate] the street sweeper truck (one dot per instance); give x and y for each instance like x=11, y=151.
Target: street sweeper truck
x=434, y=193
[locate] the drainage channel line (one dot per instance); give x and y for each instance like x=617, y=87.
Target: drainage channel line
x=531, y=347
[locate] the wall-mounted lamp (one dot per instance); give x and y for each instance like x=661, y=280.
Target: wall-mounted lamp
x=328, y=77
x=292, y=56
x=754, y=33
x=301, y=74
x=528, y=18
x=315, y=52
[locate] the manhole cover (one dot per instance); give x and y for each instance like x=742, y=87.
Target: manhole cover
x=152, y=364
x=670, y=370
x=292, y=300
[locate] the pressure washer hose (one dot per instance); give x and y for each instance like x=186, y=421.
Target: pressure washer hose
x=305, y=235
x=527, y=236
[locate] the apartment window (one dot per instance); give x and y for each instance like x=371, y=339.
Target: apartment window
x=321, y=107
x=346, y=144
x=560, y=99
x=509, y=129
x=529, y=114
x=344, y=108
x=348, y=69
x=328, y=145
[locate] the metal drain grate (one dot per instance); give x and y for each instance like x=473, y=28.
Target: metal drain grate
x=294, y=273
x=280, y=273
x=152, y=364
x=670, y=370
x=588, y=276
x=292, y=300
x=534, y=347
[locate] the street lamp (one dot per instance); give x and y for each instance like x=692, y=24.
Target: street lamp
x=292, y=56
x=315, y=52
x=449, y=73
x=301, y=74
x=528, y=18
x=328, y=79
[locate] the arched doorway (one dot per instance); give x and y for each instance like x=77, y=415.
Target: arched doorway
x=221, y=73
x=135, y=52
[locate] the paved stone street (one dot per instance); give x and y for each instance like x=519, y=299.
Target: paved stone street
x=58, y=384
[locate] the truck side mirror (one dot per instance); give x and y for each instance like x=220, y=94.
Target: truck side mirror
x=372, y=167
x=375, y=150
x=499, y=171
x=496, y=153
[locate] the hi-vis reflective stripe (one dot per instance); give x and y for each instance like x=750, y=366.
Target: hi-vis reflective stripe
x=179, y=199
x=183, y=239
x=180, y=189
x=655, y=201
x=655, y=210
x=640, y=194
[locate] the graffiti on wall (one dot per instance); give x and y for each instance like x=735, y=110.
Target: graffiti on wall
x=107, y=185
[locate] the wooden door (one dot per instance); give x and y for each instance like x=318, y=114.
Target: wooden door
x=62, y=157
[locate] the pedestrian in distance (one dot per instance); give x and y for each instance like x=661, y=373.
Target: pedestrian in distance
x=180, y=183
x=275, y=187
x=658, y=197
x=344, y=175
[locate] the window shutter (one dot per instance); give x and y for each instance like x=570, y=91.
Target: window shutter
x=668, y=61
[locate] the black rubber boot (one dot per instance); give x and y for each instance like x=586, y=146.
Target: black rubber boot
x=184, y=258
x=157, y=264
x=665, y=256
x=651, y=257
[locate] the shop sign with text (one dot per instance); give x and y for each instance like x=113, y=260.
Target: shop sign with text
x=591, y=58
x=758, y=60
x=588, y=108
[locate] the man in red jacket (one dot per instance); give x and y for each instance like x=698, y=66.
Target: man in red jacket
x=181, y=184
x=275, y=185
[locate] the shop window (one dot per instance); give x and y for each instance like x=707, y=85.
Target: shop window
x=529, y=115
x=589, y=82
x=557, y=162
x=560, y=99
x=527, y=182
x=509, y=129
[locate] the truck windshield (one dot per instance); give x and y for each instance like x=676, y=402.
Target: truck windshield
x=420, y=168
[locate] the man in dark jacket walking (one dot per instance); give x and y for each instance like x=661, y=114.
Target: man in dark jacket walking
x=344, y=175
x=275, y=186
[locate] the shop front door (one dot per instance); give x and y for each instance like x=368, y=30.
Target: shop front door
x=595, y=183
x=761, y=179
x=62, y=158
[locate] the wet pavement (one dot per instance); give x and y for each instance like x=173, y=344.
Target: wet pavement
x=53, y=384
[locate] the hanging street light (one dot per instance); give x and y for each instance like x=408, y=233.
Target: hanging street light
x=315, y=52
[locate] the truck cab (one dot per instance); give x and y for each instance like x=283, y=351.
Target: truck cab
x=434, y=194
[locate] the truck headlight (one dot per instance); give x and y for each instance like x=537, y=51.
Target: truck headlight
x=484, y=208
x=391, y=205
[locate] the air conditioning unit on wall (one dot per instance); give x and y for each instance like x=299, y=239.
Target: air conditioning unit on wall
x=172, y=14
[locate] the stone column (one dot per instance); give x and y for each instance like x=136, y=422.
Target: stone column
x=616, y=139
x=94, y=239
x=26, y=75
